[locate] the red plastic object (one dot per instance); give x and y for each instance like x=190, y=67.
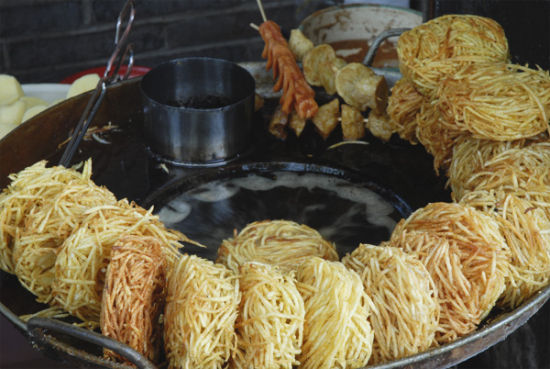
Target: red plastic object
x=136, y=72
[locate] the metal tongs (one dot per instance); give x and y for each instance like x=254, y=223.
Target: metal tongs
x=111, y=75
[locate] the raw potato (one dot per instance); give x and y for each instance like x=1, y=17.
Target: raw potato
x=12, y=113
x=10, y=89
x=31, y=112
x=31, y=101
x=6, y=128
x=83, y=84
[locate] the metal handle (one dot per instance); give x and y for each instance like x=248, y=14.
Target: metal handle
x=110, y=75
x=37, y=328
x=369, y=58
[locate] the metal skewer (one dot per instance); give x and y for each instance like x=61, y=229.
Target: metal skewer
x=110, y=75
x=369, y=58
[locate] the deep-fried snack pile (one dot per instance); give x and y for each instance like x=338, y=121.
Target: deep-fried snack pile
x=201, y=309
x=466, y=255
x=270, y=325
x=283, y=243
x=133, y=296
x=337, y=332
x=525, y=229
x=407, y=308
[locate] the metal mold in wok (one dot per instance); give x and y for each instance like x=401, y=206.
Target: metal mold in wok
x=399, y=174
x=198, y=111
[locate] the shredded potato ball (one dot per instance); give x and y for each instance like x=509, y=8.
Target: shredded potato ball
x=526, y=231
x=201, y=308
x=407, y=308
x=337, y=332
x=271, y=319
x=133, y=296
x=46, y=228
x=83, y=258
x=437, y=48
x=28, y=190
x=466, y=255
x=279, y=242
x=403, y=105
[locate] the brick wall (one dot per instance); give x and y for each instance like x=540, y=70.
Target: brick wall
x=47, y=40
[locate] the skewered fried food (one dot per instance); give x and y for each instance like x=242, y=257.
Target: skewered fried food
x=133, y=296
x=297, y=94
x=430, y=52
x=271, y=319
x=299, y=44
x=337, y=332
x=29, y=189
x=353, y=123
x=525, y=229
x=320, y=67
x=82, y=260
x=466, y=255
x=46, y=228
x=405, y=297
x=296, y=123
x=496, y=101
x=326, y=119
x=404, y=104
x=279, y=242
x=361, y=88
x=278, y=123
x=379, y=125
x=201, y=309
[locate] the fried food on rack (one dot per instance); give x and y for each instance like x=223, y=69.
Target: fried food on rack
x=435, y=49
x=270, y=323
x=45, y=229
x=353, y=123
x=278, y=123
x=379, y=125
x=297, y=94
x=283, y=243
x=327, y=118
x=337, y=332
x=320, y=67
x=404, y=294
x=514, y=169
x=83, y=257
x=361, y=88
x=466, y=256
x=201, y=310
x=525, y=229
x=495, y=101
x=296, y=123
x=133, y=296
x=470, y=155
x=29, y=189
x=299, y=44
x=404, y=104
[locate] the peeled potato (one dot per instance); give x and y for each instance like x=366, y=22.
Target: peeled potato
x=6, y=128
x=10, y=89
x=12, y=113
x=31, y=101
x=83, y=84
x=29, y=113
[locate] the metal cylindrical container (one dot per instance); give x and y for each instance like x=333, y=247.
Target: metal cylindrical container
x=198, y=111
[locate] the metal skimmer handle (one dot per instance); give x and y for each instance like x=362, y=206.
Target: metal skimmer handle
x=111, y=75
x=369, y=58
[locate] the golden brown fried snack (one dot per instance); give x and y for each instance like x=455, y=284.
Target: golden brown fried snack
x=361, y=88
x=296, y=123
x=379, y=125
x=404, y=104
x=299, y=44
x=353, y=123
x=278, y=123
x=133, y=296
x=327, y=118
